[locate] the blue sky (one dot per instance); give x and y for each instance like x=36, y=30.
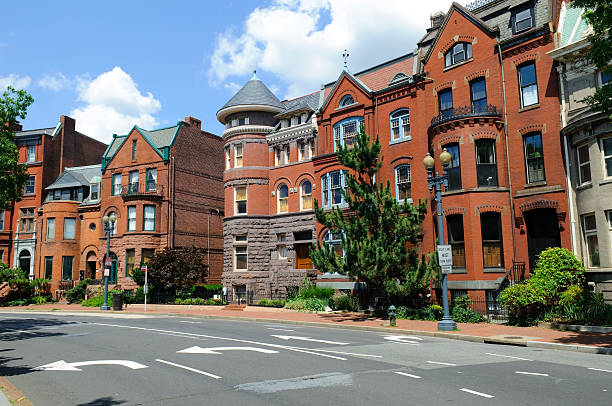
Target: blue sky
x=113, y=64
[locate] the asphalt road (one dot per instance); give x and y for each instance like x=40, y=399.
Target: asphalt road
x=161, y=360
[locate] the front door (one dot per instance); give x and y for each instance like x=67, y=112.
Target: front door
x=91, y=268
x=542, y=232
x=302, y=256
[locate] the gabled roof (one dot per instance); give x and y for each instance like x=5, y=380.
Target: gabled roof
x=350, y=77
x=75, y=177
x=310, y=103
x=467, y=14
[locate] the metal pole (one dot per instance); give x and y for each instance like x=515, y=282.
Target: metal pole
x=447, y=323
x=107, y=231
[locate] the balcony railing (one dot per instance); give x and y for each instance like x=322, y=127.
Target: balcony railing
x=142, y=189
x=465, y=112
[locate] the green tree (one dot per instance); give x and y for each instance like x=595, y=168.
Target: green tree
x=598, y=13
x=13, y=176
x=379, y=234
x=177, y=268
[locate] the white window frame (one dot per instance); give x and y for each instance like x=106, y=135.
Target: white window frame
x=146, y=219
x=236, y=201
x=67, y=235
x=114, y=225
x=95, y=186
x=522, y=87
x=303, y=195
x=604, y=157
x=31, y=153
x=50, y=235
x=281, y=238
x=333, y=239
x=131, y=217
x=279, y=198
x=241, y=242
x=116, y=185
x=589, y=233
x=326, y=186
x=397, y=182
x=339, y=129
x=228, y=159
x=400, y=119
x=516, y=20
x=311, y=148
x=302, y=151
x=580, y=165
x=238, y=158
x=286, y=154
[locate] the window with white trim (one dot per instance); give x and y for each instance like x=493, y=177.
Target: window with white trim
x=151, y=180
x=240, y=253
x=69, y=224
x=400, y=125
x=133, y=185
x=332, y=184
x=534, y=157
x=606, y=150
x=116, y=184
x=50, y=229
x=148, y=221
x=306, y=195
x=334, y=240
x=528, y=84
x=460, y=52
x=131, y=220
x=31, y=153
x=584, y=164
x=589, y=227
x=311, y=148
x=114, y=225
x=238, y=156
x=346, y=131
x=403, y=188
x=240, y=200
x=282, y=245
x=283, y=199
x=228, y=160
x=286, y=154
x=29, y=186
x=346, y=100
x=522, y=20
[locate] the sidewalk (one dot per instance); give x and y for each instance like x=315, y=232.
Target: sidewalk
x=590, y=342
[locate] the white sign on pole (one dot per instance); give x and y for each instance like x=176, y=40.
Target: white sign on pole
x=445, y=258
x=106, y=272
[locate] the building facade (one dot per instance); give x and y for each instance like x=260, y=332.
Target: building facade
x=587, y=138
x=268, y=181
x=46, y=152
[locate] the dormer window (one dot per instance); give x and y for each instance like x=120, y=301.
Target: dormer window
x=347, y=100
x=522, y=20
x=460, y=52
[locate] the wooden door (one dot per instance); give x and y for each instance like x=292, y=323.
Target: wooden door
x=302, y=256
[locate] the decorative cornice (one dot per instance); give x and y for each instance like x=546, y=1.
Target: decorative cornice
x=246, y=182
x=443, y=86
x=457, y=38
x=483, y=134
x=539, y=204
x=487, y=208
x=247, y=129
x=303, y=131
x=479, y=74
x=532, y=128
x=454, y=210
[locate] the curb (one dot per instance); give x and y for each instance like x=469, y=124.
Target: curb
x=461, y=337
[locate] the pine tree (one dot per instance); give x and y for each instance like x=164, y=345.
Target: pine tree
x=376, y=229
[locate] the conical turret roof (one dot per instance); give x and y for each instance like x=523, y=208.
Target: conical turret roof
x=253, y=93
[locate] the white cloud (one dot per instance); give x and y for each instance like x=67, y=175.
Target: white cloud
x=14, y=80
x=113, y=105
x=309, y=53
x=55, y=82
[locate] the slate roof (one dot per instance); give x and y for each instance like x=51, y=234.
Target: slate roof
x=309, y=102
x=160, y=138
x=46, y=131
x=253, y=92
x=75, y=177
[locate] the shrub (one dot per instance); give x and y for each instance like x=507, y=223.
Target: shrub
x=310, y=304
x=463, y=313
x=575, y=295
x=207, y=291
x=292, y=292
x=98, y=301
x=213, y=302
x=310, y=291
x=10, y=274
x=271, y=303
x=77, y=294
x=138, y=276
x=198, y=301
x=524, y=303
x=178, y=301
x=343, y=301
x=556, y=270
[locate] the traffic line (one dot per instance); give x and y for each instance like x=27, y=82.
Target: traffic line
x=530, y=373
x=279, y=329
x=408, y=375
x=442, y=363
x=473, y=392
x=349, y=353
x=601, y=370
x=190, y=322
x=508, y=356
x=189, y=368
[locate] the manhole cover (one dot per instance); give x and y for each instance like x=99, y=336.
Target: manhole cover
x=513, y=337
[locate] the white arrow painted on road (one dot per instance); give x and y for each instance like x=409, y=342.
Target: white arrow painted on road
x=403, y=339
x=217, y=350
x=314, y=340
x=62, y=365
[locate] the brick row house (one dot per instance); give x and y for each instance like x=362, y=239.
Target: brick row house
x=481, y=85
x=46, y=152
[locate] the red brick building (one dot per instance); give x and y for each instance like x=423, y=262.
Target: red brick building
x=46, y=152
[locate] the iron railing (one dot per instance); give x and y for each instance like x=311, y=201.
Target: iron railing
x=146, y=188
x=473, y=110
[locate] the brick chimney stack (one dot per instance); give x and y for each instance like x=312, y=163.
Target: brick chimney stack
x=437, y=19
x=192, y=121
x=68, y=124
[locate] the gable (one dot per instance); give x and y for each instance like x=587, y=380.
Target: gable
x=146, y=151
x=346, y=84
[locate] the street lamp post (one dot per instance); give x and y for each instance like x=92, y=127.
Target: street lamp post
x=436, y=182
x=109, y=225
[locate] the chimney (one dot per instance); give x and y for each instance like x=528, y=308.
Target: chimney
x=15, y=127
x=67, y=124
x=437, y=19
x=194, y=122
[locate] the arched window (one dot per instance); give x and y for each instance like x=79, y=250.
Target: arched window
x=334, y=240
x=346, y=130
x=400, y=125
x=283, y=199
x=460, y=52
x=347, y=100
x=306, y=195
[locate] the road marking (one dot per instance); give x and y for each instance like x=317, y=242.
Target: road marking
x=408, y=375
x=349, y=353
x=508, y=356
x=285, y=347
x=182, y=336
x=602, y=370
x=473, y=392
x=189, y=369
x=314, y=340
x=442, y=363
x=530, y=373
x=279, y=329
x=217, y=350
x=190, y=322
x=62, y=365
x=403, y=339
